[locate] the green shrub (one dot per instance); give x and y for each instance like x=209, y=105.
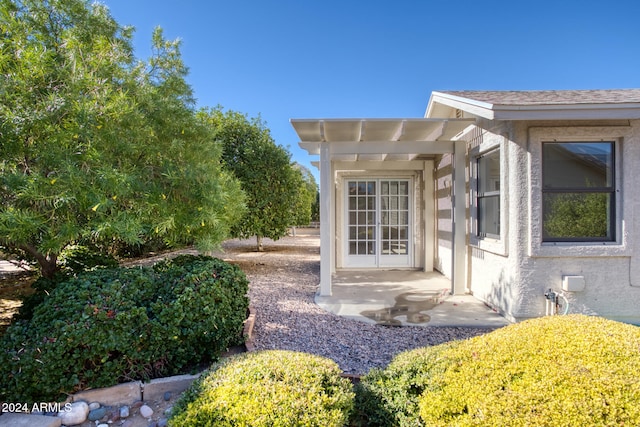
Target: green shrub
x=268, y=388
x=113, y=325
x=552, y=371
x=389, y=397
x=76, y=259
x=73, y=260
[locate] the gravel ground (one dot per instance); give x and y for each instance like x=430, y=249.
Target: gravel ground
x=283, y=282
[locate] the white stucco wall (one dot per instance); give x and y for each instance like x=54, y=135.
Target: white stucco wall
x=493, y=262
x=512, y=273
x=443, y=217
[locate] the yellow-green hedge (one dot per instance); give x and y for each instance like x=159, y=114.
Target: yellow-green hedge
x=389, y=397
x=552, y=371
x=268, y=388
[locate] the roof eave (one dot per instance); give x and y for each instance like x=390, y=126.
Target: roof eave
x=568, y=112
x=471, y=106
x=611, y=111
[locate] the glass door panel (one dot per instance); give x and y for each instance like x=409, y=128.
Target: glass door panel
x=394, y=224
x=362, y=214
x=378, y=223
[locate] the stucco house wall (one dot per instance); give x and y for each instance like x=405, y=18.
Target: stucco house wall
x=609, y=269
x=493, y=274
x=443, y=175
x=513, y=273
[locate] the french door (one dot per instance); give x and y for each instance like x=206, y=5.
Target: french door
x=378, y=223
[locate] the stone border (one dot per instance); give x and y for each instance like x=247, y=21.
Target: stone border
x=247, y=331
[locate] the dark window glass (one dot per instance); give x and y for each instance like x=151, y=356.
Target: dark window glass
x=578, y=191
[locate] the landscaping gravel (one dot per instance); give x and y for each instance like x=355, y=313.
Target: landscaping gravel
x=283, y=283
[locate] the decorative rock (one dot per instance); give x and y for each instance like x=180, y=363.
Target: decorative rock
x=103, y=425
x=162, y=422
x=168, y=411
x=77, y=414
x=167, y=396
x=153, y=424
x=97, y=414
x=146, y=411
x=137, y=404
x=94, y=405
x=114, y=416
x=124, y=411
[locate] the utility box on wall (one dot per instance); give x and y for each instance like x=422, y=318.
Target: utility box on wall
x=573, y=283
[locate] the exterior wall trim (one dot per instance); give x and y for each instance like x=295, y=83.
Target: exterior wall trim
x=537, y=248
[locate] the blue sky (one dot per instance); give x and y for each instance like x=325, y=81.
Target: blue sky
x=284, y=59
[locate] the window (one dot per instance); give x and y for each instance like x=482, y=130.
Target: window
x=488, y=194
x=578, y=191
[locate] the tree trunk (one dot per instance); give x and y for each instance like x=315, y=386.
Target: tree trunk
x=48, y=269
x=48, y=262
x=259, y=241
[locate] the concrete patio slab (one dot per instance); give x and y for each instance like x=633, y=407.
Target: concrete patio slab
x=405, y=298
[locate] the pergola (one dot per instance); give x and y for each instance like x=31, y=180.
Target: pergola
x=380, y=140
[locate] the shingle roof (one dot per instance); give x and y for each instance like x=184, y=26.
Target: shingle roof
x=551, y=97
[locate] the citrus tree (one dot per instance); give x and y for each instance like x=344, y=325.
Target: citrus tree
x=306, y=207
x=276, y=191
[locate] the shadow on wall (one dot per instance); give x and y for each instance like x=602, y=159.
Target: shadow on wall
x=501, y=296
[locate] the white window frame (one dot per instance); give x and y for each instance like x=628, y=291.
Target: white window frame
x=490, y=243
x=486, y=194
x=539, y=248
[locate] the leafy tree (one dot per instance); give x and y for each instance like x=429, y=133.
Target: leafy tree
x=574, y=215
x=307, y=194
x=96, y=145
x=270, y=182
x=315, y=208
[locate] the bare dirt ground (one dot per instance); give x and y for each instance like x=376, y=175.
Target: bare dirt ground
x=15, y=284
